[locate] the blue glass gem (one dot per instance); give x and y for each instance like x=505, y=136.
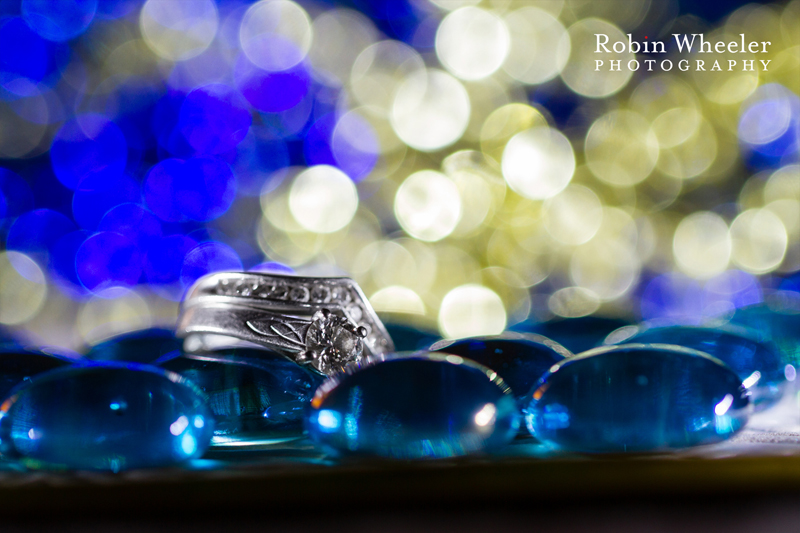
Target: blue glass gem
x=255, y=395
x=409, y=338
x=781, y=323
x=18, y=366
x=575, y=334
x=637, y=398
x=414, y=406
x=142, y=346
x=106, y=416
x=757, y=363
x=519, y=358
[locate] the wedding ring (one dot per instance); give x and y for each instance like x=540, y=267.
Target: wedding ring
x=326, y=323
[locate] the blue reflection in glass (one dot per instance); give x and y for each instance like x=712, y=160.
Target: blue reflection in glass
x=135, y=222
x=106, y=416
x=163, y=263
x=97, y=194
x=214, y=119
x=757, y=362
x=18, y=366
x=200, y=189
x=255, y=394
x=206, y=257
x=108, y=259
x=575, y=334
x=88, y=145
x=418, y=406
x=142, y=346
x=778, y=321
x=637, y=398
x=519, y=358
x=36, y=232
x=271, y=92
x=59, y=21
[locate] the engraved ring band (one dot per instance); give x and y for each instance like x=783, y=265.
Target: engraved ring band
x=326, y=323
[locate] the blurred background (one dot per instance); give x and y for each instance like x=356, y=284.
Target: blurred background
x=461, y=159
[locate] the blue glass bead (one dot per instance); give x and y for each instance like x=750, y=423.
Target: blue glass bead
x=575, y=334
x=781, y=324
x=421, y=405
x=18, y=366
x=255, y=395
x=637, y=398
x=408, y=338
x=757, y=363
x=519, y=358
x=143, y=346
x=106, y=416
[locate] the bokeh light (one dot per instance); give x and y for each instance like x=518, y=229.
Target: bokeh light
x=470, y=164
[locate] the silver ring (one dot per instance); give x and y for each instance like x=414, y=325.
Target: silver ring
x=323, y=322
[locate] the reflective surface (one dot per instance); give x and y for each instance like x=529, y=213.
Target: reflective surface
x=417, y=406
x=106, y=416
x=408, y=338
x=143, y=346
x=255, y=395
x=758, y=364
x=519, y=358
x=637, y=398
x=575, y=334
x=18, y=366
x=780, y=325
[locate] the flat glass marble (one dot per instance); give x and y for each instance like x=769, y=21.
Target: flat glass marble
x=519, y=358
x=255, y=395
x=637, y=398
x=106, y=416
x=414, y=406
x=779, y=323
x=757, y=363
x=19, y=366
x=143, y=346
x=575, y=334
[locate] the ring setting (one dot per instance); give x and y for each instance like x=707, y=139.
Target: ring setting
x=326, y=323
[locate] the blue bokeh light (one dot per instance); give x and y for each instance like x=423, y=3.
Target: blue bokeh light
x=214, y=119
x=97, y=194
x=258, y=156
x=163, y=262
x=36, y=232
x=60, y=20
x=134, y=221
x=63, y=267
x=199, y=189
x=25, y=59
x=271, y=92
x=88, y=145
x=108, y=259
x=15, y=194
x=209, y=256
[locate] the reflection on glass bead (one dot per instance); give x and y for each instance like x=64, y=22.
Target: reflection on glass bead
x=254, y=394
x=758, y=364
x=575, y=334
x=779, y=323
x=106, y=416
x=18, y=366
x=408, y=338
x=519, y=358
x=637, y=398
x=415, y=406
x=143, y=346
